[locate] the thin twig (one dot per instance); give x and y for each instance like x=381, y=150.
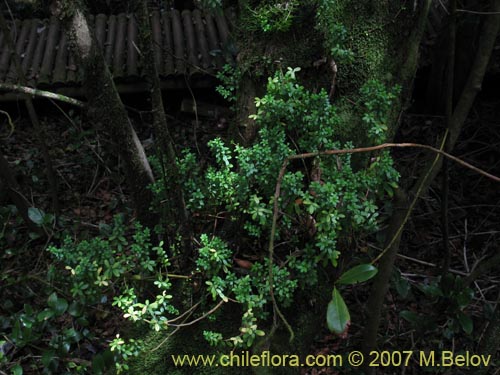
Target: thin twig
x=476, y=12
x=395, y=145
x=414, y=260
x=200, y=318
x=187, y=312
x=11, y=124
x=444, y=7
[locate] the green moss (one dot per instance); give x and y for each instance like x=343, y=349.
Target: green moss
x=367, y=38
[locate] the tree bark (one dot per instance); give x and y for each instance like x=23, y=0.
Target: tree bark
x=105, y=104
x=176, y=210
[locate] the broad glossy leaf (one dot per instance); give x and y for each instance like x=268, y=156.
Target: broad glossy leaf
x=45, y=314
x=98, y=365
x=59, y=305
x=337, y=315
x=36, y=215
x=52, y=300
x=75, y=309
x=358, y=274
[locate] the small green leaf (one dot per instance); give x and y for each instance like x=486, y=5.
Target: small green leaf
x=358, y=274
x=36, y=215
x=45, y=315
x=52, y=300
x=75, y=309
x=17, y=370
x=58, y=305
x=337, y=315
x=465, y=322
x=402, y=285
x=47, y=358
x=410, y=316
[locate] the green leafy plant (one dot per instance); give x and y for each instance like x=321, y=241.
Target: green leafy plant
x=448, y=291
x=230, y=77
x=271, y=16
x=30, y=326
x=336, y=35
x=318, y=200
x=113, y=267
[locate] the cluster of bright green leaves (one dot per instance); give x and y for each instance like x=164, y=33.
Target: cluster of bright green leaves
x=251, y=290
x=230, y=78
x=95, y=265
x=241, y=181
x=113, y=266
x=270, y=16
x=336, y=35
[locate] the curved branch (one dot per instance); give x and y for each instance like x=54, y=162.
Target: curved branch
x=41, y=93
x=394, y=145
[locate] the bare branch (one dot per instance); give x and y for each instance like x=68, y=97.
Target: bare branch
x=42, y=93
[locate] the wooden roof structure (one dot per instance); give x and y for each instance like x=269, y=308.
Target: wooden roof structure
x=186, y=44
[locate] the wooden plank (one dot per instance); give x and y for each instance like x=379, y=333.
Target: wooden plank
x=206, y=60
x=157, y=43
x=61, y=61
x=40, y=48
x=50, y=51
x=178, y=37
x=190, y=39
x=100, y=29
x=220, y=20
x=20, y=43
x=110, y=40
x=119, y=51
x=132, y=44
x=30, y=48
x=168, y=45
x=213, y=41
x=6, y=54
x=72, y=72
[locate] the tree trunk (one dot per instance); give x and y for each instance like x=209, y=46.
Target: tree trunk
x=105, y=104
x=176, y=207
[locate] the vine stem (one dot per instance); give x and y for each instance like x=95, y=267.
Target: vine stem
x=277, y=192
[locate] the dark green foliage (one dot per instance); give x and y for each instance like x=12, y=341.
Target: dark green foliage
x=443, y=310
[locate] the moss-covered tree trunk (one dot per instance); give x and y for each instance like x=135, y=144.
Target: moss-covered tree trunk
x=105, y=105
